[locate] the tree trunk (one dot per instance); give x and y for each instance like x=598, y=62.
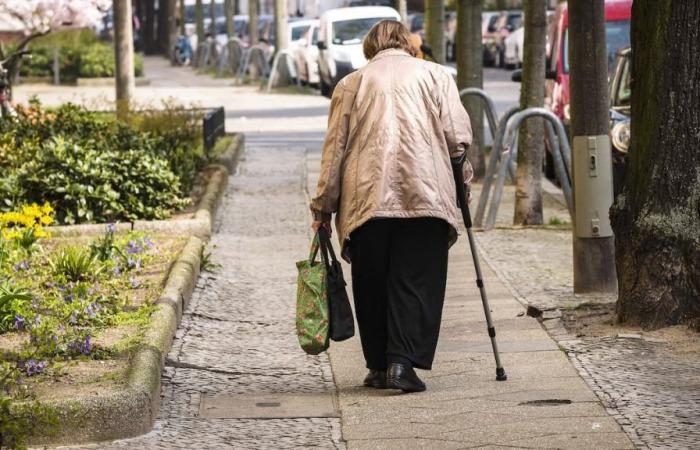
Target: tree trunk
x=435, y=28
x=402, y=8
x=281, y=30
x=212, y=17
x=149, y=27
x=593, y=255
x=181, y=7
x=528, y=193
x=199, y=20
x=229, y=12
x=657, y=218
x=470, y=74
x=165, y=15
x=253, y=13
x=123, y=55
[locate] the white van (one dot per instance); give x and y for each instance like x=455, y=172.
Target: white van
x=340, y=41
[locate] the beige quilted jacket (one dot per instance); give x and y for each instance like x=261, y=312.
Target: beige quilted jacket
x=392, y=128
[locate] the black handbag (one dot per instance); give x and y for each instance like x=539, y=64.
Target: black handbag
x=342, y=323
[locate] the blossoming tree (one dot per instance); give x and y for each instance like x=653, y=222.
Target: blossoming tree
x=40, y=17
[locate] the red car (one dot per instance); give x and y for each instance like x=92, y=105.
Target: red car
x=617, y=31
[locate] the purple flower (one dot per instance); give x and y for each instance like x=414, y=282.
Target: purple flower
x=90, y=291
x=133, y=248
x=111, y=228
x=33, y=367
x=37, y=321
x=24, y=265
x=117, y=270
x=20, y=323
x=49, y=284
x=73, y=319
x=148, y=242
x=134, y=282
x=85, y=346
x=133, y=263
x=68, y=298
x=92, y=309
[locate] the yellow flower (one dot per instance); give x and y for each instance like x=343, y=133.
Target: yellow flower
x=47, y=209
x=11, y=234
x=46, y=220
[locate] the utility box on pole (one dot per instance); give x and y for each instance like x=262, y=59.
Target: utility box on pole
x=594, y=244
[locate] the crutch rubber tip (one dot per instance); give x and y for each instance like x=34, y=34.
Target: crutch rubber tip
x=501, y=374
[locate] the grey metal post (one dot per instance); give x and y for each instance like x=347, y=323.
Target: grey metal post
x=490, y=110
x=496, y=150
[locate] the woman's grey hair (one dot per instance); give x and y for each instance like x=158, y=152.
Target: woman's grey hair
x=388, y=34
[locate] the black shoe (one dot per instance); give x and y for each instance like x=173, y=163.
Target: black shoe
x=403, y=377
x=376, y=379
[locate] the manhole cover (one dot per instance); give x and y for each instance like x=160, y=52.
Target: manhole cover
x=268, y=406
x=546, y=402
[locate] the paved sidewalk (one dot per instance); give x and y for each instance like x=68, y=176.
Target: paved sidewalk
x=544, y=403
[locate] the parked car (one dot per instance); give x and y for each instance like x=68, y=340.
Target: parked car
x=416, y=22
x=497, y=30
x=340, y=41
x=514, y=44
x=306, y=55
x=618, y=14
x=620, y=115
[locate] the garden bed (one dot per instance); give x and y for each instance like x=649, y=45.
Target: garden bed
x=84, y=326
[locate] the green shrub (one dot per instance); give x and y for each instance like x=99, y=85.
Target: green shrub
x=81, y=55
x=99, y=185
x=12, y=300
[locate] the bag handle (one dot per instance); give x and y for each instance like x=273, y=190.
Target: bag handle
x=326, y=248
x=315, y=245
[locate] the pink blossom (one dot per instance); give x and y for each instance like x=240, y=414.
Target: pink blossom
x=42, y=16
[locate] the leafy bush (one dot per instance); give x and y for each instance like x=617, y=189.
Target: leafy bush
x=81, y=55
x=100, y=185
x=91, y=168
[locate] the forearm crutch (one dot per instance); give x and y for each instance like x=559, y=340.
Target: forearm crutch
x=457, y=164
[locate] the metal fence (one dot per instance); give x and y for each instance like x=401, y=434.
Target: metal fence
x=213, y=127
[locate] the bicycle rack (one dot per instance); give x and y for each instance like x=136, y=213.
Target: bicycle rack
x=496, y=153
x=255, y=54
x=230, y=57
x=291, y=67
x=561, y=154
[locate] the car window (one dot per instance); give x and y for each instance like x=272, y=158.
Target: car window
x=624, y=90
x=299, y=32
x=314, y=38
x=617, y=35
x=348, y=32
x=515, y=21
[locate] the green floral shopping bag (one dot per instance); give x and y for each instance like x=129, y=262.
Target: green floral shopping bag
x=312, y=303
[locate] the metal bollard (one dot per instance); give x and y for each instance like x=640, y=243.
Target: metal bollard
x=292, y=68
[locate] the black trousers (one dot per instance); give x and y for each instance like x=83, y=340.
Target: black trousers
x=399, y=272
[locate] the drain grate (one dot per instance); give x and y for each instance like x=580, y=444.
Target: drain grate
x=546, y=402
x=268, y=406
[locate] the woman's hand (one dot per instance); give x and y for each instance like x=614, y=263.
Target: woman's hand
x=317, y=224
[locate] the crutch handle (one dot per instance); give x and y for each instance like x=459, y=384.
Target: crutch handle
x=457, y=164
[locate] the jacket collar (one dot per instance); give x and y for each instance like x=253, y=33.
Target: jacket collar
x=390, y=52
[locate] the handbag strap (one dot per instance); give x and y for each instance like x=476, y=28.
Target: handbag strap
x=315, y=245
x=326, y=248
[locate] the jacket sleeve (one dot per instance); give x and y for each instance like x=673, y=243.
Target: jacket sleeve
x=325, y=202
x=455, y=124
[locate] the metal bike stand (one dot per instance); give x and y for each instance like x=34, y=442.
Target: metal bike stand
x=492, y=167
x=292, y=69
x=562, y=158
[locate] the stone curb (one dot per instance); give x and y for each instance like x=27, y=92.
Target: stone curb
x=202, y=220
x=132, y=410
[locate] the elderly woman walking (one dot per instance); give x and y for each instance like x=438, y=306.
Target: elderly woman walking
x=386, y=174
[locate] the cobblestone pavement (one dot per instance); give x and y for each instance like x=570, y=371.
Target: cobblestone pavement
x=237, y=334
x=651, y=389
